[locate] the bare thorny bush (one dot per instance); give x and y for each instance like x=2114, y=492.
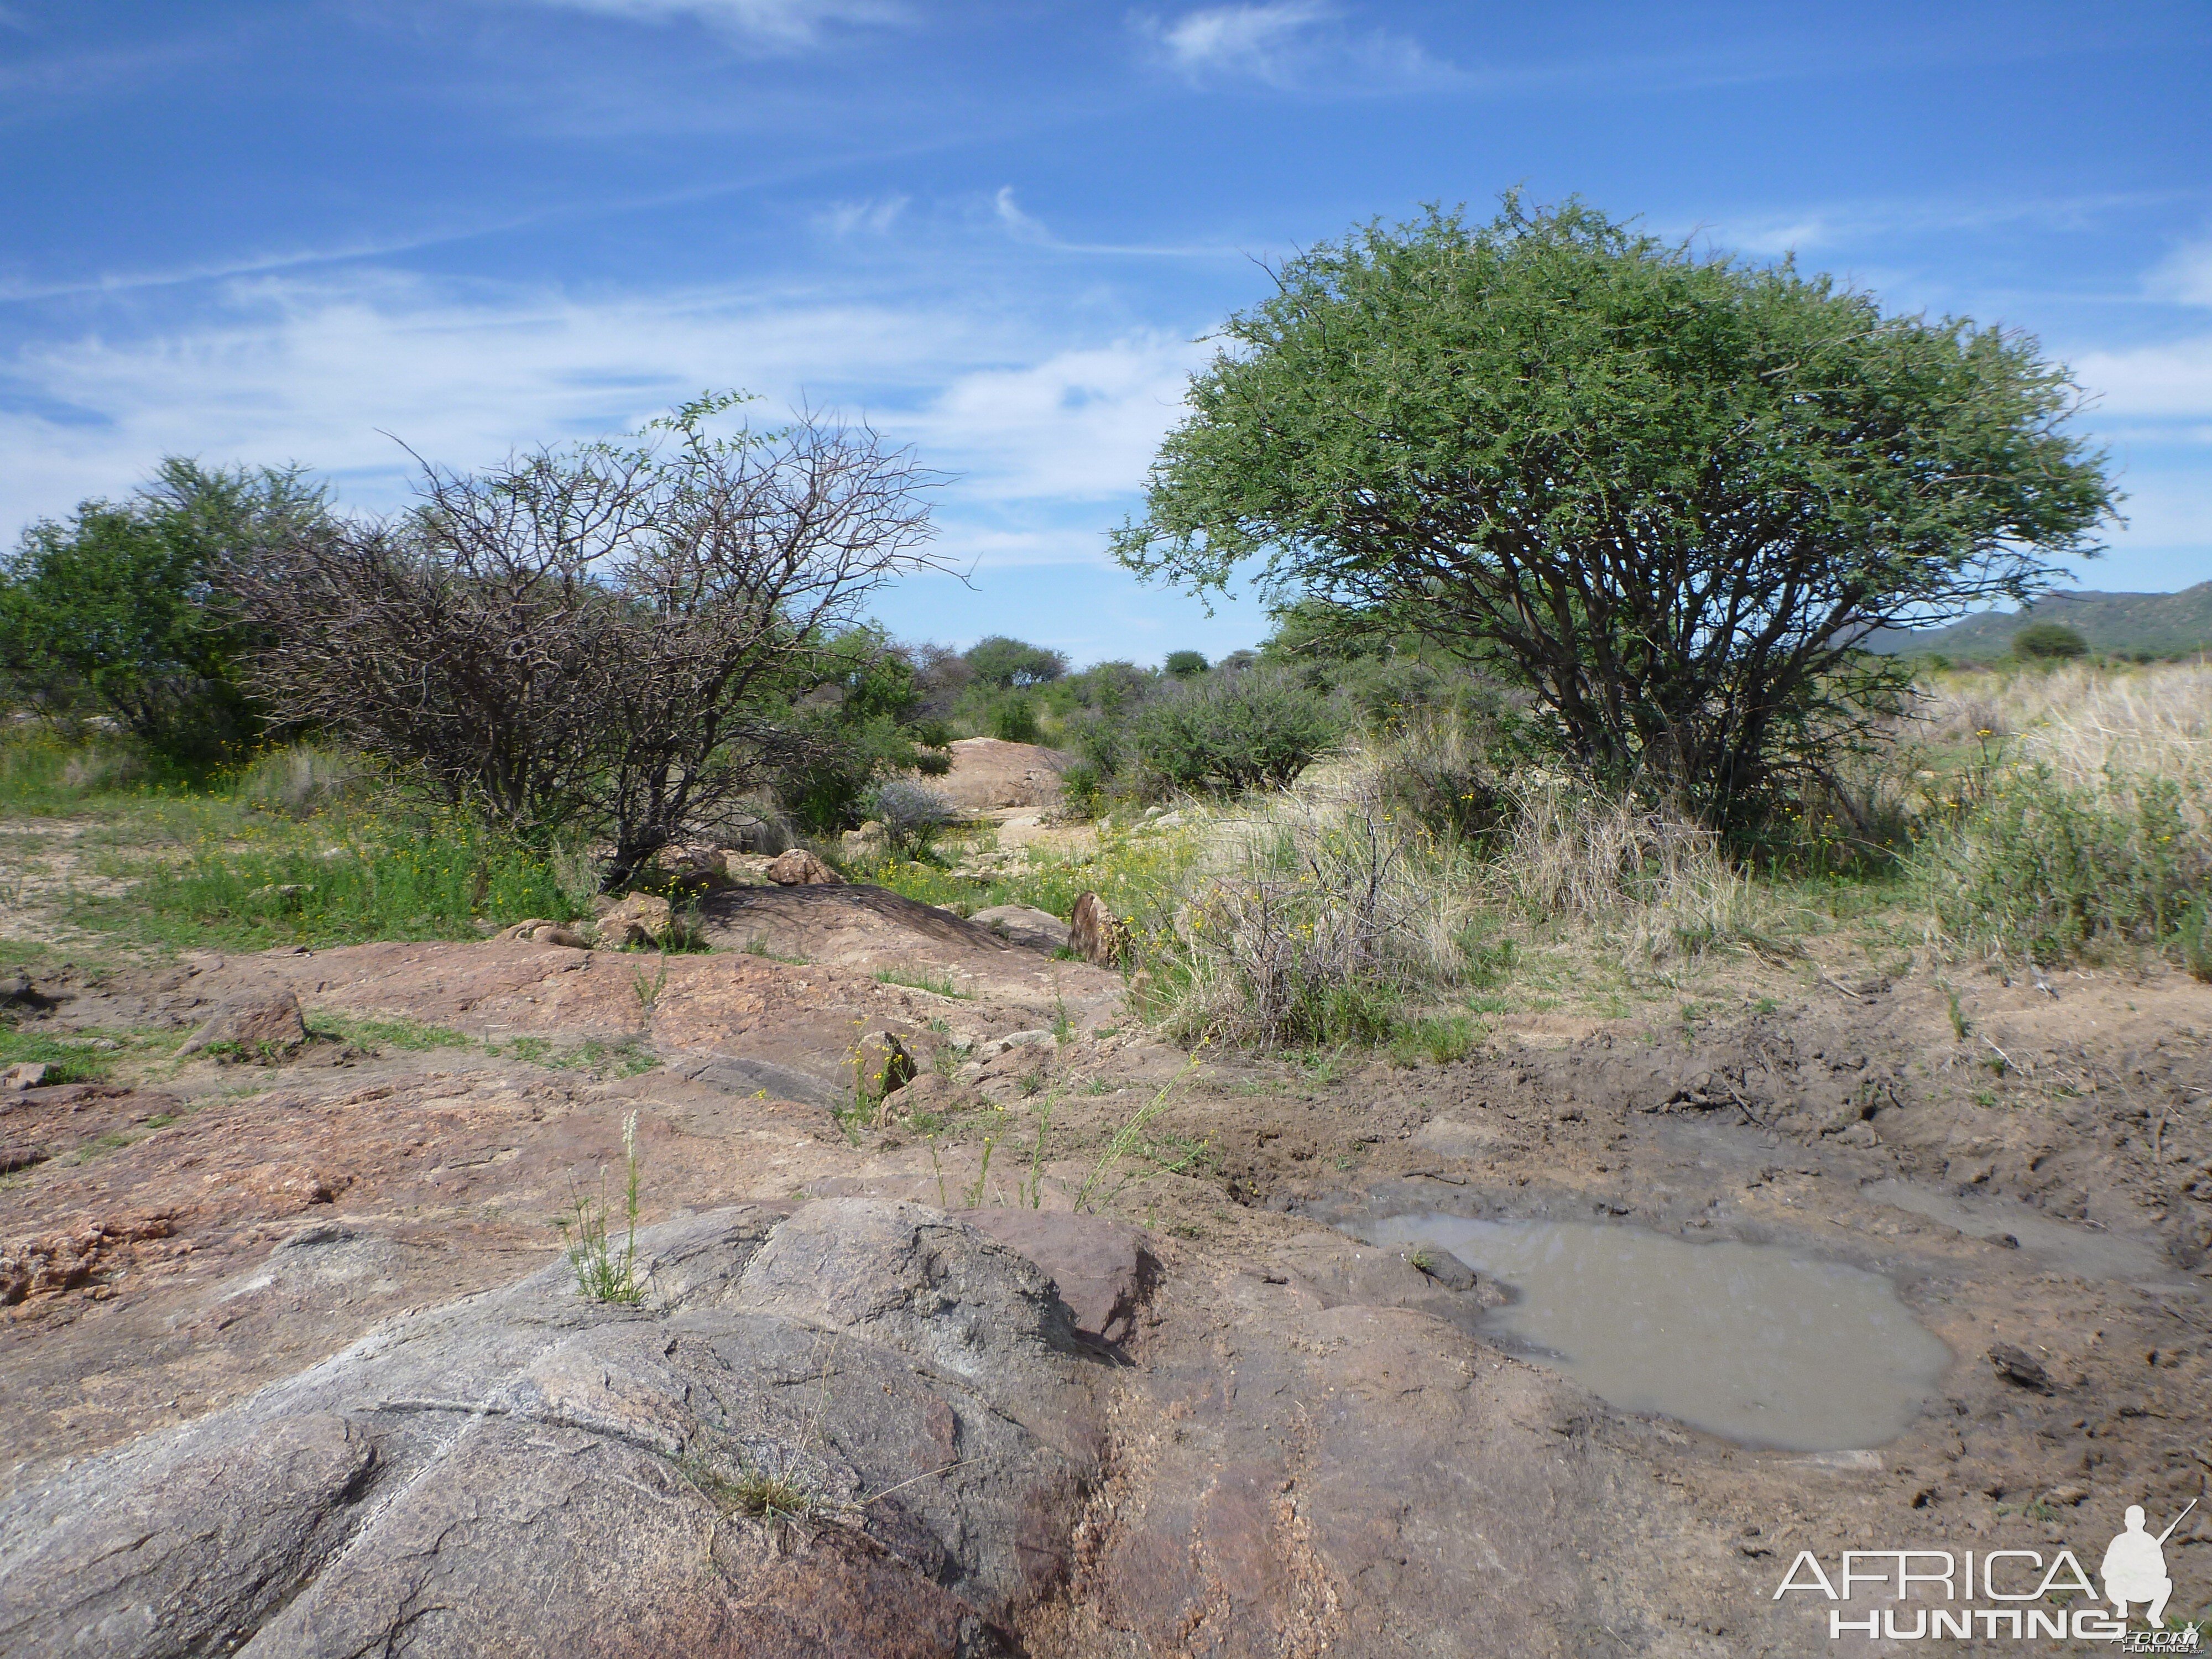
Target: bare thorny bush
x=610, y=637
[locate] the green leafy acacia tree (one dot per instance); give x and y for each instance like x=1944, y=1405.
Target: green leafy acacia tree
x=125, y=608
x=1671, y=492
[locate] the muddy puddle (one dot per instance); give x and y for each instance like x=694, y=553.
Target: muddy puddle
x=1756, y=1343
x=2084, y=1252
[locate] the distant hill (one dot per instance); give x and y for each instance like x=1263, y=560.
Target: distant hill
x=2161, y=624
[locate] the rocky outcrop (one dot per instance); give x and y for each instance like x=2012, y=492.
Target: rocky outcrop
x=256, y=1025
x=1095, y=933
x=640, y=922
x=866, y=1429
x=800, y=868
x=1024, y=924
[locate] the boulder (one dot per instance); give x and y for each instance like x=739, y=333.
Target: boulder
x=1097, y=935
x=254, y=1025
x=640, y=922
x=2021, y=1369
x=1100, y=1269
x=866, y=1429
x=881, y=1065
x=695, y=869
x=538, y=931
x=1025, y=925
x=800, y=868
x=25, y=1074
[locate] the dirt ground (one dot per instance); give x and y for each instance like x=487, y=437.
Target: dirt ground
x=2030, y=1163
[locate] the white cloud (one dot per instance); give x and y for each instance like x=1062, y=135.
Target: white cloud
x=1018, y=224
x=771, y=22
x=1290, y=44
x=1265, y=41
x=2170, y=379
x=1080, y=426
x=876, y=216
x=2185, y=275
x=1040, y=434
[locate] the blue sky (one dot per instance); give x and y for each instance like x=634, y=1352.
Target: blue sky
x=284, y=230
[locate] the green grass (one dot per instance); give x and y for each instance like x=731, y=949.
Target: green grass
x=1130, y=871
x=1438, y=1039
x=44, y=773
x=627, y=1058
x=935, y=984
x=87, y=1055
x=324, y=883
x=407, y=1034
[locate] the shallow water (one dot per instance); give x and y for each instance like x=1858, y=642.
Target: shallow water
x=2082, y=1251
x=1753, y=1342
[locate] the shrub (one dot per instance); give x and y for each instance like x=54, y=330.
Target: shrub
x=1259, y=728
x=912, y=815
x=2049, y=641
x=301, y=780
x=1314, y=927
x=1013, y=719
x=124, y=609
x=1082, y=787
x=1182, y=665
x=2041, y=868
x=605, y=640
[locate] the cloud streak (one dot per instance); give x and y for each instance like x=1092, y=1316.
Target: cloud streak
x=785, y=24
x=1048, y=439
x=1291, y=45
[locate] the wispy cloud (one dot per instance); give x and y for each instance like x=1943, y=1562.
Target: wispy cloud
x=2185, y=275
x=779, y=23
x=875, y=216
x=1038, y=431
x=1290, y=44
x=1854, y=223
x=1023, y=229
x=2171, y=378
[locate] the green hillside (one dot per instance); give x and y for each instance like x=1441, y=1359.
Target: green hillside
x=2160, y=625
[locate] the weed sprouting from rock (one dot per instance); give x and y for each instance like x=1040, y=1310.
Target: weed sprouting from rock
x=604, y=1273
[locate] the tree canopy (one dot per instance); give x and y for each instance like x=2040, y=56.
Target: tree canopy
x=123, y=610
x=1671, y=492
x=1013, y=664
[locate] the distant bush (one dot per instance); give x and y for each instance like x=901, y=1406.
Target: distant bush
x=301, y=780
x=123, y=610
x=1182, y=664
x=1013, y=664
x=911, y=814
x=1013, y=719
x=1256, y=729
x=2049, y=641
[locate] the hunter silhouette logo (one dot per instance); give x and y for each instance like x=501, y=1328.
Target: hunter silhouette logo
x=2134, y=1568
x=1920, y=1594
